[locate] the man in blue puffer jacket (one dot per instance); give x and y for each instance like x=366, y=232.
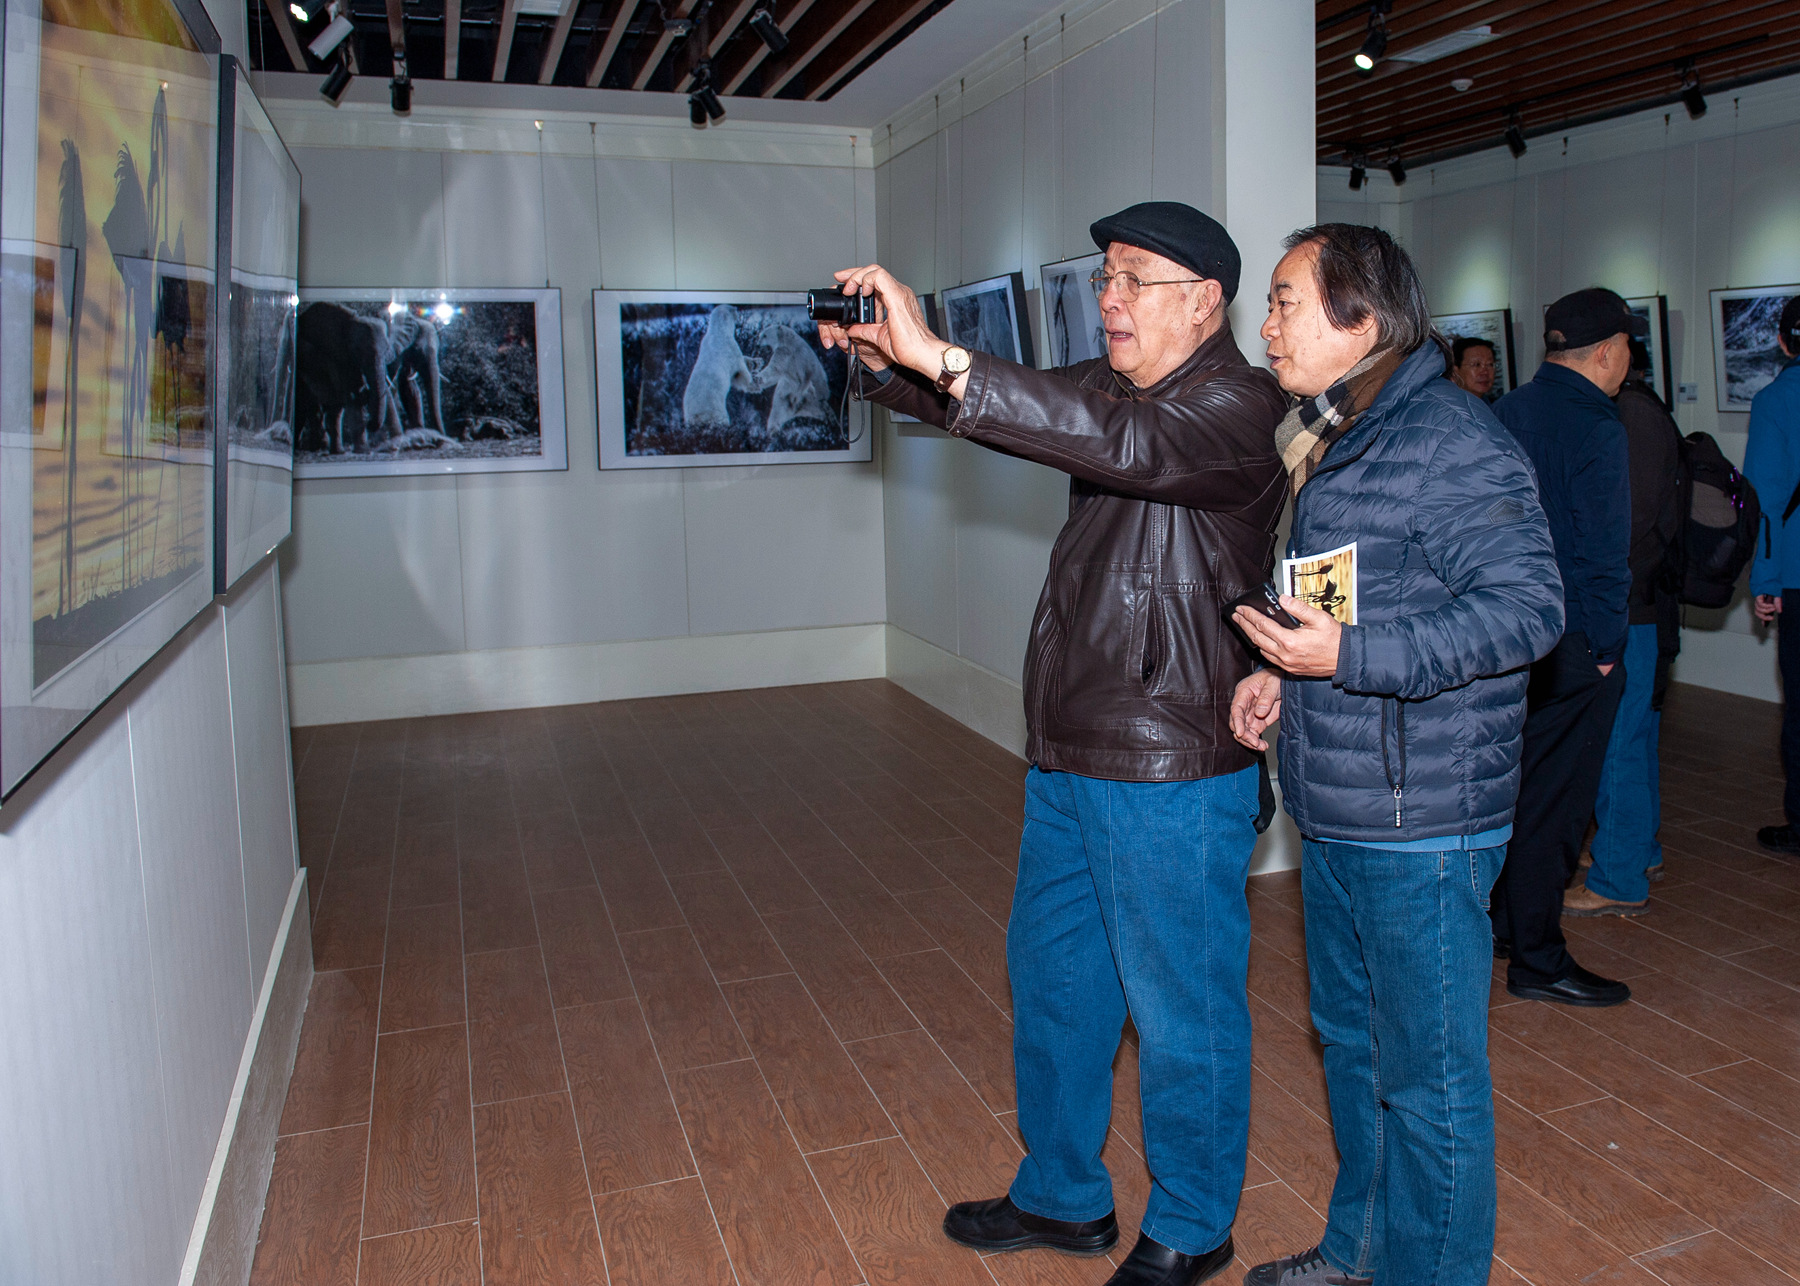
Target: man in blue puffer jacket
x=1400, y=739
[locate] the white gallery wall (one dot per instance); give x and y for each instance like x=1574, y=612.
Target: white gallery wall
x=147, y=878
x=428, y=595
x=1650, y=204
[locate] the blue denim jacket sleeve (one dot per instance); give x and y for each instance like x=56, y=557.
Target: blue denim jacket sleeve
x=1484, y=535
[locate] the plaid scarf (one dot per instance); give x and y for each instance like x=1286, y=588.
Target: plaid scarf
x=1314, y=423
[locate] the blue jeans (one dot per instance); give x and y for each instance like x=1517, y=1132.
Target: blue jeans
x=1400, y=952
x=1131, y=898
x=1629, y=807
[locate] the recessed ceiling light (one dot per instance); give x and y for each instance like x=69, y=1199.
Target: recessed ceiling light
x=1462, y=84
x=1444, y=46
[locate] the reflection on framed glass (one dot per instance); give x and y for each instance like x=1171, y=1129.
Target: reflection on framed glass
x=259, y=237
x=109, y=165
x=1655, y=310
x=428, y=381
x=1073, y=328
x=688, y=378
x=1746, y=355
x=1494, y=326
x=990, y=317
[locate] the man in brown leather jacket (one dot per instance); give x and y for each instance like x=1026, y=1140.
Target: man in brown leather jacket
x=1140, y=808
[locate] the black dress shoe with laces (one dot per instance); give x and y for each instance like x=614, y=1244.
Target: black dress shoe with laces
x=1578, y=987
x=1000, y=1225
x=1151, y=1263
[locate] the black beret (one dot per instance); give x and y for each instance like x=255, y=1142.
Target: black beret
x=1196, y=241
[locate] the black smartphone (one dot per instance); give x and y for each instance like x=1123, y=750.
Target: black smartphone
x=1265, y=599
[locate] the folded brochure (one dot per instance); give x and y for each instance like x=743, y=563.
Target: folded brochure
x=1326, y=581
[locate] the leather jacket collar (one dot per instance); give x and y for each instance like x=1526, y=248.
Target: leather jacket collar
x=1217, y=351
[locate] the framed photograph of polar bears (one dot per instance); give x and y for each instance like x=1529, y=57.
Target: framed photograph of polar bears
x=689, y=378
x=428, y=381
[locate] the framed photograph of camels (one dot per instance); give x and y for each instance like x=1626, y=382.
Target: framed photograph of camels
x=108, y=167
x=428, y=381
x=259, y=238
x=690, y=378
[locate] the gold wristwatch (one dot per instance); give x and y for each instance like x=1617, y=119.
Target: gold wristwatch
x=956, y=364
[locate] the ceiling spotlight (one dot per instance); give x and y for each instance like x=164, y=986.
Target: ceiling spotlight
x=703, y=103
x=332, y=36
x=1462, y=84
x=400, y=87
x=1359, y=174
x=307, y=10
x=1396, y=168
x=762, y=22
x=1374, y=44
x=1691, y=97
x=1515, y=137
x=337, y=82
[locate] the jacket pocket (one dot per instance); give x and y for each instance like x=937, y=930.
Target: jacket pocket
x=1188, y=637
x=1100, y=673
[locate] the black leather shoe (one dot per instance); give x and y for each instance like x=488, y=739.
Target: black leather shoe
x=1151, y=1263
x=1780, y=839
x=1000, y=1225
x=1578, y=987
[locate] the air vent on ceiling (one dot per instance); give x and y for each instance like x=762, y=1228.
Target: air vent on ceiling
x=1444, y=46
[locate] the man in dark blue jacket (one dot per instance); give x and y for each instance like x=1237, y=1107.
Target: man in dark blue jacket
x=1772, y=463
x=1566, y=421
x=1400, y=735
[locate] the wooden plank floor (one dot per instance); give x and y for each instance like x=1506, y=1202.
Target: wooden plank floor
x=712, y=989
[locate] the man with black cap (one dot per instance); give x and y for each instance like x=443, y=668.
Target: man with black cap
x=1566, y=421
x=1141, y=810
x=1772, y=463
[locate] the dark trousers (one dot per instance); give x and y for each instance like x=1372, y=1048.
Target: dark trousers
x=1787, y=633
x=1569, y=709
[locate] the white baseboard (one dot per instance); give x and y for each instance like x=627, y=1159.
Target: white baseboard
x=1729, y=661
x=994, y=706
x=222, y=1246
x=404, y=687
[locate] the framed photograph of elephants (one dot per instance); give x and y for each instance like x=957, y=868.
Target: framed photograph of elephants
x=1746, y=353
x=259, y=238
x=428, y=381
x=107, y=293
x=690, y=378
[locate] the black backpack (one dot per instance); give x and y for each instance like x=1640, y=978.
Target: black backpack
x=1720, y=519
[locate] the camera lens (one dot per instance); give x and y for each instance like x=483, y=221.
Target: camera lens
x=832, y=305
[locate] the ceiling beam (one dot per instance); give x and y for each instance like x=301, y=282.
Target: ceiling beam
x=396, y=16
x=869, y=33
x=722, y=33
x=618, y=16
x=726, y=79
x=284, y=25
x=664, y=39
x=509, y=20
x=824, y=24
x=452, y=37
x=559, y=37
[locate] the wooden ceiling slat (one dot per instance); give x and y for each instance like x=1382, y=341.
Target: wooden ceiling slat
x=732, y=72
x=1547, y=54
x=811, y=37
x=869, y=33
x=559, y=36
x=509, y=20
x=452, y=37
x=618, y=16
x=284, y=27
x=659, y=47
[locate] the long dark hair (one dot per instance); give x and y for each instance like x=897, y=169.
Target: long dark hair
x=1363, y=272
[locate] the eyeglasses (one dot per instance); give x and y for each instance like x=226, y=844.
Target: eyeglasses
x=1129, y=284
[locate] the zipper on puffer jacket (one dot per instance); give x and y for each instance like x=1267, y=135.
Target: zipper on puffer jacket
x=1397, y=785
